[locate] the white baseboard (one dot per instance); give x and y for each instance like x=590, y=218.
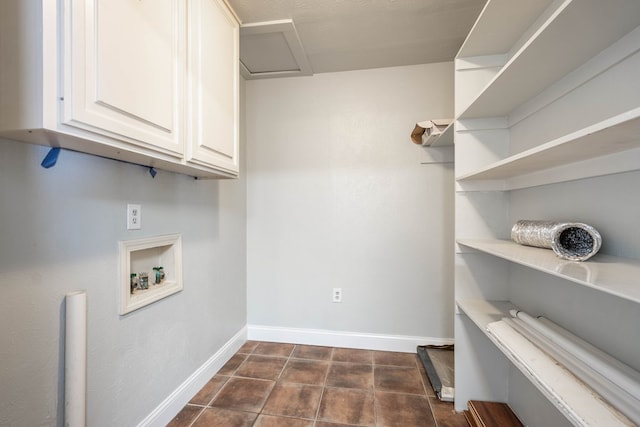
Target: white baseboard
x=170, y=407
x=400, y=343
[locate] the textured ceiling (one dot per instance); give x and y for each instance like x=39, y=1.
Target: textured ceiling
x=340, y=35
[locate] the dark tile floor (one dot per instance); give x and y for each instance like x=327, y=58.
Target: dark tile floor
x=285, y=385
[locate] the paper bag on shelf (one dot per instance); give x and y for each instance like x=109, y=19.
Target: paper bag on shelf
x=424, y=133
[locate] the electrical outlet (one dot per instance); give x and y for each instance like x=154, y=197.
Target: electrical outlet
x=337, y=294
x=134, y=217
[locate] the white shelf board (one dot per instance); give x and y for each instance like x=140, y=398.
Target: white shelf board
x=482, y=312
x=512, y=18
x=574, y=33
x=609, y=274
x=581, y=405
x=445, y=138
x=620, y=162
x=613, y=135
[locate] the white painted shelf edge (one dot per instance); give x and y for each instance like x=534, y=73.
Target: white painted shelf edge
x=619, y=133
x=610, y=164
x=445, y=138
x=482, y=312
x=513, y=18
x=581, y=405
x=505, y=91
x=609, y=274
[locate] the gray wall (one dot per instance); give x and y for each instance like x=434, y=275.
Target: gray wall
x=59, y=232
x=337, y=197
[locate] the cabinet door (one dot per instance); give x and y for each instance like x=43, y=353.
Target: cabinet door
x=124, y=70
x=213, y=78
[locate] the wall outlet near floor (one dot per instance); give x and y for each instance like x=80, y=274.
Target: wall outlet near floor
x=134, y=217
x=337, y=294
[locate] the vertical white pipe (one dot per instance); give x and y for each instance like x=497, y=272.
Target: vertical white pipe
x=75, y=360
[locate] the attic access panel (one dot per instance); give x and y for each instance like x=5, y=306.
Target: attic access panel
x=272, y=49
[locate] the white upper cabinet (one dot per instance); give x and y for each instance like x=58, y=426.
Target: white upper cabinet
x=213, y=88
x=124, y=75
x=152, y=82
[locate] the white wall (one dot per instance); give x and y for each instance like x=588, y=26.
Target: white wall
x=59, y=231
x=337, y=197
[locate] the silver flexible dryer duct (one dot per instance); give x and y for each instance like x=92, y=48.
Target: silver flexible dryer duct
x=573, y=241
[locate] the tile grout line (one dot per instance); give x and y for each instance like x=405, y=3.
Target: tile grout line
x=324, y=386
x=197, y=416
x=373, y=386
x=208, y=405
x=238, y=368
x=275, y=383
x=426, y=390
